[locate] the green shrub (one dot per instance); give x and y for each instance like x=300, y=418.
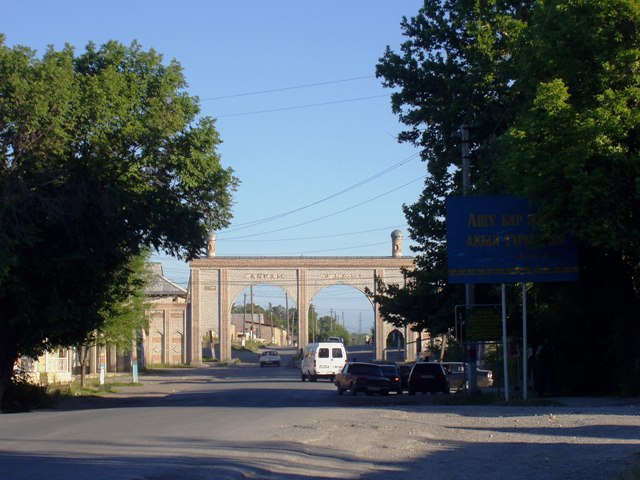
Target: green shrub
x=632, y=473
x=23, y=396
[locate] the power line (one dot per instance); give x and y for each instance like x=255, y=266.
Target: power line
x=316, y=251
x=318, y=237
x=244, y=225
x=330, y=214
x=283, y=89
x=299, y=107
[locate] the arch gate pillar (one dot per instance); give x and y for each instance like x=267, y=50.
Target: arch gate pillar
x=303, y=309
x=224, y=317
x=380, y=334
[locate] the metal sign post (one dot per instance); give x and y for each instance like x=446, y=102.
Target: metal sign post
x=504, y=343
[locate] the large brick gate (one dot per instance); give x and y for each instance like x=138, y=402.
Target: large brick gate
x=217, y=281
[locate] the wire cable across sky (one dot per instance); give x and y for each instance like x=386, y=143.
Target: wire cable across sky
x=245, y=225
x=325, y=216
x=284, y=89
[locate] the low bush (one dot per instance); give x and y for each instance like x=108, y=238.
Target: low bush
x=23, y=396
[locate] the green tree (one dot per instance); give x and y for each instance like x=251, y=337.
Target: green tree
x=454, y=68
x=103, y=156
x=327, y=326
x=550, y=91
x=122, y=320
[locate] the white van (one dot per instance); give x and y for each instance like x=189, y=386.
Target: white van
x=322, y=360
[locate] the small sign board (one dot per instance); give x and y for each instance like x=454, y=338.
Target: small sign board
x=492, y=239
x=483, y=323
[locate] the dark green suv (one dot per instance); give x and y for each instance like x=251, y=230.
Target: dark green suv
x=428, y=377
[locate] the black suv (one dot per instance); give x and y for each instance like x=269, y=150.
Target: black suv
x=428, y=377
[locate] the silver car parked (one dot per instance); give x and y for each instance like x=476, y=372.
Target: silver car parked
x=458, y=378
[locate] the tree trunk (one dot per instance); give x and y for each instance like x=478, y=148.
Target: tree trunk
x=444, y=347
x=83, y=364
x=8, y=357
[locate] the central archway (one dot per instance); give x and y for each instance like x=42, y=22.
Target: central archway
x=346, y=308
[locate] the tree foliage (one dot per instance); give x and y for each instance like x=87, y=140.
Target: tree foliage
x=276, y=314
x=103, y=156
x=550, y=92
x=321, y=328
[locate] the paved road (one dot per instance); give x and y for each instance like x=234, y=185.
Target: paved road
x=363, y=353
x=243, y=421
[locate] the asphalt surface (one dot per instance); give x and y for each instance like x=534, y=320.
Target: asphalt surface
x=243, y=421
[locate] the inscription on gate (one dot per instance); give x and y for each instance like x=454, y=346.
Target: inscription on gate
x=264, y=276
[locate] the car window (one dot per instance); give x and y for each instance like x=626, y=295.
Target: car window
x=428, y=367
x=323, y=353
x=453, y=367
x=371, y=370
x=389, y=369
x=362, y=369
x=336, y=352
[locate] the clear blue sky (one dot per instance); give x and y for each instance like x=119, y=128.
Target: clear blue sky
x=306, y=126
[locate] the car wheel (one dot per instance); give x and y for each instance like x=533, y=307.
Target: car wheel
x=313, y=378
x=340, y=391
x=399, y=392
x=352, y=389
x=262, y=365
x=412, y=392
x=278, y=364
x=302, y=377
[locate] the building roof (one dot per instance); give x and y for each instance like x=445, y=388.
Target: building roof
x=241, y=318
x=161, y=286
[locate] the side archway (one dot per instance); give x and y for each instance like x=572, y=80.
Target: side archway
x=395, y=346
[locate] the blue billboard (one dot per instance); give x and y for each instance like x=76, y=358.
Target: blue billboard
x=492, y=239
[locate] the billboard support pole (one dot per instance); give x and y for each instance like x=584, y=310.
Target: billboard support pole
x=504, y=342
x=525, y=350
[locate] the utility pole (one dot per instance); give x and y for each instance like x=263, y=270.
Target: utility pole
x=244, y=316
x=251, y=290
x=466, y=190
x=271, y=321
x=286, y=312
x=469, y=287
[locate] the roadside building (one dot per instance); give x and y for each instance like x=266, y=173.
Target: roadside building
x=165, y=340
